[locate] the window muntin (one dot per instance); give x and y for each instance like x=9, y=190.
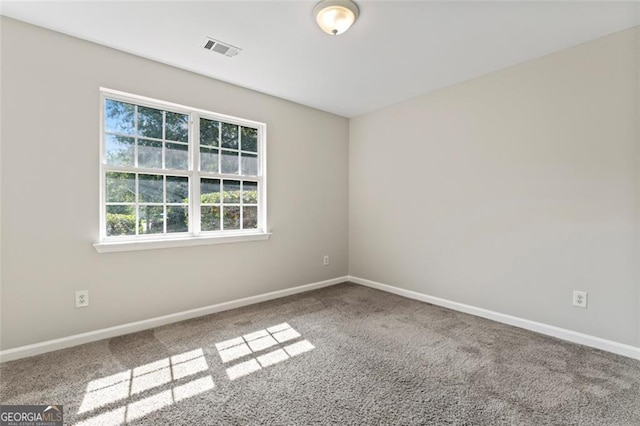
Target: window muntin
x=172, y=171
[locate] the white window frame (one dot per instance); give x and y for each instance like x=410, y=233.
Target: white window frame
x=194, y=236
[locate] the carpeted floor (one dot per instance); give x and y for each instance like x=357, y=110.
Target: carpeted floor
x=344, y=355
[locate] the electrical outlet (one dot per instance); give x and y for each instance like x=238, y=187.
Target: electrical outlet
x=82, y=298
x=580, y=298
x=326, y=261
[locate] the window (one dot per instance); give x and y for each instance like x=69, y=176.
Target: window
x=173, y=175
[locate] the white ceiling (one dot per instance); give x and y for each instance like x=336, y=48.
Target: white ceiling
x=395, y=51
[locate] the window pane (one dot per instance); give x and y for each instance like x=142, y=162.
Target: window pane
x=210, y=191
x=121, y=220
x=210, y=218
x=121, y=187
x=231, y=190
x=150, y=187
x=249, y=139
x=177, y=156
x=177, y=219
x=177, y=189
x=149, y=153
x=120, y=150
x=231, y=217
x=208, y=160
x=249, y=217
x=250, y=192
x=149, y=122
x=151, y=219
x=209, y=132
x=229, y=162
x=149, y=170
x=177, y=127
x=119, y=117
x=229, y=136
x=249, y=164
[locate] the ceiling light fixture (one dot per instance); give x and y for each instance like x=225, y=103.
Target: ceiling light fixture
x=335, y=16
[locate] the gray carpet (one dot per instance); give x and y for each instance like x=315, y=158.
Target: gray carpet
x=343, y=355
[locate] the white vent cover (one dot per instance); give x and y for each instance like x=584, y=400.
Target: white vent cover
x=220, y=47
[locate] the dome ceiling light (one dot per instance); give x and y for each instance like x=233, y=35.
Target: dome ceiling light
x=335, y=16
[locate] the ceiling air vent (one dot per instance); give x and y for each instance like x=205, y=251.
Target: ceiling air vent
x=220, y=47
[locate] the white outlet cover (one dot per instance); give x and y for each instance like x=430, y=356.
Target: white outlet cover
x=580, y=298
x=82, y=298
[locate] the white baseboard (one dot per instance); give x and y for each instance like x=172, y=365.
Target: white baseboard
x=549, y=330
x=119, y=330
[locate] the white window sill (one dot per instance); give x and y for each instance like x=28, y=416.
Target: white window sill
x=114, y=246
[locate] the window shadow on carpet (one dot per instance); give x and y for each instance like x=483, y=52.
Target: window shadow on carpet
x=185, y=375
x=282, y=341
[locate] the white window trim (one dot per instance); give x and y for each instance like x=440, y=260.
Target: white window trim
x=194, y=237
x=111, y=246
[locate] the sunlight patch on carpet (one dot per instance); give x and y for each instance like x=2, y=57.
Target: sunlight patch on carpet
x=120, y=387
x=259, y=341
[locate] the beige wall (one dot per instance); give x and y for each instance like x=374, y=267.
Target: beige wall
x=50, y=113
x=509, y=191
